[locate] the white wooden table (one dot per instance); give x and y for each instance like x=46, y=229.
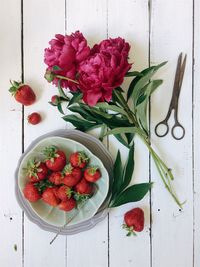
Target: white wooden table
x=157, y=31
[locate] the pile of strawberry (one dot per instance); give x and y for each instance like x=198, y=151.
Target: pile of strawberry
x=59, y=183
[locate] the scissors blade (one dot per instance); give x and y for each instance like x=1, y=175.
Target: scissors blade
x=182, y=71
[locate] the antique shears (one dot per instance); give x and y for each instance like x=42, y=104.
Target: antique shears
x=180, y=69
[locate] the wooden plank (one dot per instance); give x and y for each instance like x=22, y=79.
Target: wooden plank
x=10, y=134
x=172, y=229
x=90, y=247
x=129, y=19
x=42, y=20
x=196, y=148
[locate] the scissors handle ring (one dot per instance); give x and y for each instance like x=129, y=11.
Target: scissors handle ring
x=173, y=131
x=164, y=122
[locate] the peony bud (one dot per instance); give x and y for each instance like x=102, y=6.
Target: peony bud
x=49, y=76
x=55, y=100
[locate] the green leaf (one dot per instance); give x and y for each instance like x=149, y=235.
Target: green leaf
x=117, y=175
x=99, y=112
x=128, y=169
x=132, y=194
x=121, y=140
x=76, y=98
x=122, y=130
x=140, y=99
x=56, y=68
x=59, y=107
x=61, y=92
x=141, y=111
x=140, y=81
x=133, y=73
x=84, y=113
x=111, y=107
x=80, y=124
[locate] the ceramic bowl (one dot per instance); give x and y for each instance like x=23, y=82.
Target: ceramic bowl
x=98, y=149
x=53, y=215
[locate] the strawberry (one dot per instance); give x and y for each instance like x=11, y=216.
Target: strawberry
x=56, y=178
x=78, y=159
x=49, y=196
x=23, y=93
x=83, y=187
x=64, y=192
x=67, y=205
x=36, y=171
x=92, y=174
x=55, y=158
x=34, y=118
x=31, y=192
x=72, y=175
x=134, y=221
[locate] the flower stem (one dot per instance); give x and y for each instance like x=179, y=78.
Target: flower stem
x=65, y=78
x=165, y=172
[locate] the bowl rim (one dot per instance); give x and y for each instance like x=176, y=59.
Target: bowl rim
x=87, y=151
x=102, y=151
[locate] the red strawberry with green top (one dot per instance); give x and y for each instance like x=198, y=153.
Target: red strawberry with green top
x=78, y=159
x=92, y=174
x=72, y=175
x=83, y=187
x=31, y=192
x=23, y=93
x=36, y=171
x=56, y=178
x=64, y=192
x=134, y=221
x=67, y=205
x=55, y=158
x=49, y=196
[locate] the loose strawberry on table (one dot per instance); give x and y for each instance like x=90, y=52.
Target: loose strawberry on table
x=36, y=170
x=92, y=174
x=134, y=221
x=23, y=93
x=78, y=159
x=55, y=158
x=67, y=205
x=56, y=178
x=72, y=175
x=34, y=118
x=31, y=193
x=49, y=196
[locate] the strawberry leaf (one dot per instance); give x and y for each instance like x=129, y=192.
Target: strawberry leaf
x=131, y=194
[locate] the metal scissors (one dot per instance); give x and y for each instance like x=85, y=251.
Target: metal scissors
x=180, y=69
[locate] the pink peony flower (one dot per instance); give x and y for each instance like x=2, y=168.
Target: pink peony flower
x=66, y=52
x=104, y=70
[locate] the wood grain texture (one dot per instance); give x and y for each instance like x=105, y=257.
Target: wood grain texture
x=91, y=247
x=172, y=229
x=38, y=30
x=10, y=134
x=196, y=147
x=174, y=239
x=130, y=20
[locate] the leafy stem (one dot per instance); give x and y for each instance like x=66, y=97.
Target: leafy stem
x=165, y=172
